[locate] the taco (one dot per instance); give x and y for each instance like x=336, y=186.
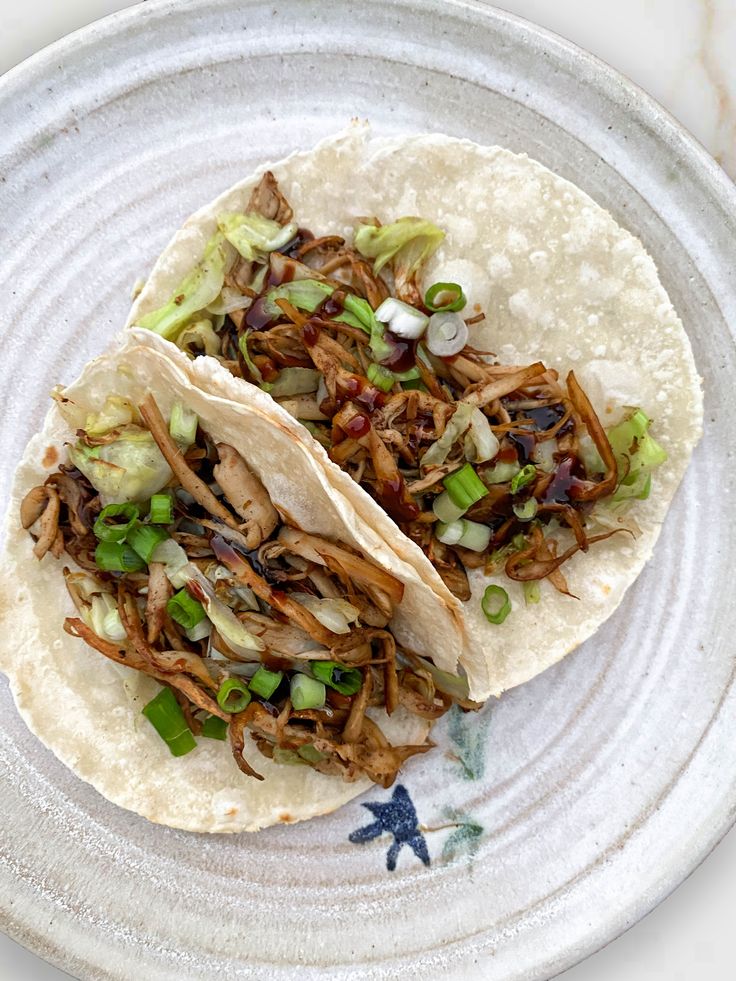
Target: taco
x=484, y=363
x=179, y=576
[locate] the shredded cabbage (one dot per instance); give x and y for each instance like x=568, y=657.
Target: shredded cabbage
x=439, y=450
x=253, y=235
x=195, y=292
x=183, y=425
x=408, y=243
x=228, y=301
x=304, y=294
x=335, y=614
x=589, y=455
x=130, y=468
x=102, y=616
x=451, y=684
x=116, y=412
x=294, y=381
x=232, y=631
x=481, y=444
x=544, y=455
x=500, y=473
x=308, y=294
x=252, y=366
x=199, y=338
x=637, y=455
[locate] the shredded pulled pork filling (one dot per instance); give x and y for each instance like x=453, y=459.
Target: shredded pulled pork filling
x=265, y=597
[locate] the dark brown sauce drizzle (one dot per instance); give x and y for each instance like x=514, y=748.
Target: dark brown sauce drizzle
x=395, y=499
x=302, y=235
x=355, y=388
x=403, y=354
x=558, y=490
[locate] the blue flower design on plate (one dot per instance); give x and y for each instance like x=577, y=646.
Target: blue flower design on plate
x=397, y=817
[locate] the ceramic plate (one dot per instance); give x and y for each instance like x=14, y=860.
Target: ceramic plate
x=535, y=835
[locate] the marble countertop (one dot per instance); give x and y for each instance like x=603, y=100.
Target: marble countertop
x=683, y=52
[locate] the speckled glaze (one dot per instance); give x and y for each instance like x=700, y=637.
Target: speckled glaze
x=542, y=830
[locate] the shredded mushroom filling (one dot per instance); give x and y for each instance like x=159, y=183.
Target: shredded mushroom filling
x=401, y=420
x=248, y=576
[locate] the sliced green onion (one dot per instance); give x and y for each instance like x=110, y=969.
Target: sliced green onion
x=414, y=384
x=532, y=591
x=265, y=682
x=366, y=319
x=186, y=610
x=525, y=476
x=117, y=557
x=527, y=510
x=413, y=374
x=402, y=319
x=450, y=534
x=214, y=728
x=345, y=680
x=307, y=693
x=465, y=487
x=109, y=530
x=501, y=473
x=162, y=509
x=233, y=696
x=359, y=308
x=165, y=715
x=467, y=534
x=475, y=536
x=310, y=753
x=381, y=377
x=445, y=296
x=495, y=604
x=446, y=509
x=143, y=539
x=183, y=425
x=250, y=363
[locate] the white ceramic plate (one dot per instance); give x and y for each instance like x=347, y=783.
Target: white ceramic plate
x=584, y=797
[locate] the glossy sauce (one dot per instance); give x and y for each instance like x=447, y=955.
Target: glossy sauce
x=266, y=366
x=395, y=498
x=403, y=354
x=525, y=445
x=558, y=491
x=310, y=332
x=302, y=235
x=355, y=388
x=507, y=454
x=546, y=416
x=358, y=426
x=281, y=271
x=332, y=306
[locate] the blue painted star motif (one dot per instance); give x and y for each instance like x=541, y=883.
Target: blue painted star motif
x=399, y=818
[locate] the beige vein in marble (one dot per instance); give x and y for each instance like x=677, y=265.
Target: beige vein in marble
x=717, y=15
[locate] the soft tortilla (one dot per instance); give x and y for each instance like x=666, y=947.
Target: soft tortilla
x=87, y=709
x=558, y=279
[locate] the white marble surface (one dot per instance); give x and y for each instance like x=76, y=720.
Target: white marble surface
x=683, y=52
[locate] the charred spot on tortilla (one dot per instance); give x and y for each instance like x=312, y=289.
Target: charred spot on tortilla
x=50, y=457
